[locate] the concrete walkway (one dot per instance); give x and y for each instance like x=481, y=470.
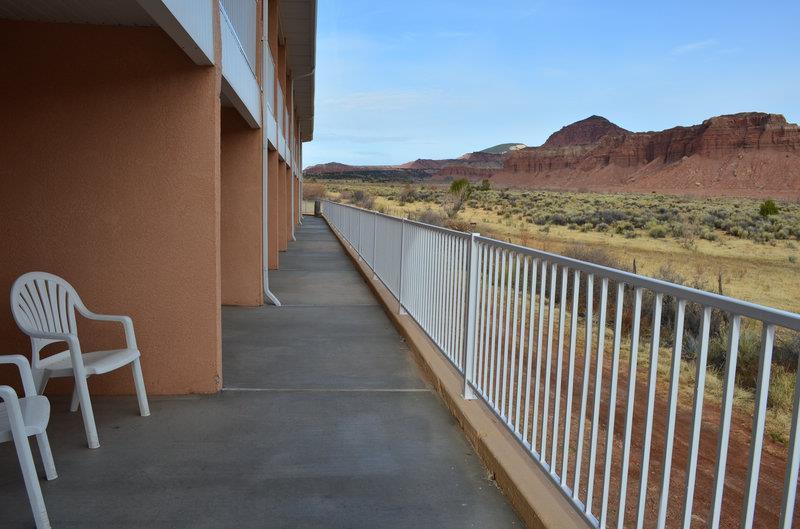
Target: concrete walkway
x=324, y=423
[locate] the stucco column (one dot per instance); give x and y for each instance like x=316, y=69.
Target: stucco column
x=288, y=217
x=283, y=207
x=298, y=201
x=273, y=182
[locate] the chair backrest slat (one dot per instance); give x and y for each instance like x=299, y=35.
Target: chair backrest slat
x=42, y=302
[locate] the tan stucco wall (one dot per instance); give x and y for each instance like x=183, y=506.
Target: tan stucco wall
x=110, y=178
x=242, y=219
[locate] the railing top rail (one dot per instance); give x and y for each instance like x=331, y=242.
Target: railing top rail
x=769, y=315
x=448, y=231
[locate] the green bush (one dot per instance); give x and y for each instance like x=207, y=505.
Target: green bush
x=768, y=207
x=657, y=231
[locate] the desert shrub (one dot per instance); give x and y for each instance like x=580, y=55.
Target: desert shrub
x=787, y=350
x=430, y=216
x=748, y=355
x=708, y=234
x=313, y=190
x=362, y=199
x=408, y=194
x=622, y=227
x=460, y=225
x=601, y=227
x=781, y=389
x=485, y=185
x=737, y=231
x=767, y=208
x=657, y=231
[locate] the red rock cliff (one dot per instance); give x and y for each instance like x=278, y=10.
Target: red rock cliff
x=748, y=154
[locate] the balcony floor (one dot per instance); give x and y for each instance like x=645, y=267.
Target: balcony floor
x=324, y=422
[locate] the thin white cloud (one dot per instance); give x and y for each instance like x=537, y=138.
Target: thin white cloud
x=694, y=46
x=351, y=137
x=383, y=100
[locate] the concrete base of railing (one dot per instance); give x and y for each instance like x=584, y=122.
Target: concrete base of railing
x=537, y=501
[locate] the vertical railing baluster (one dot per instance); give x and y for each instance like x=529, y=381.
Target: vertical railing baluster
x=672, y=409
x=472, y=302
x=490, y=304
x=529, y=360
x=626, y=444
x=793, y=461
x=598, y=377
x=506, y=334
x=562, y=314
x=514, y=330
x=374, y=242
x=725, y=419
x=573, y=342
x=697, y=417
x=482, y=313
x=651, y=401
x=759, y=417
x=493, y=337
x=549, y=361
x=539, y=342
x=524, y=330
x=587, y=364
x=461, y=283
x=612, y=403
x=502, y=330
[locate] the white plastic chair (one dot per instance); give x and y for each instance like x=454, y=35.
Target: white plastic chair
x=19, y=419
x=44, y=308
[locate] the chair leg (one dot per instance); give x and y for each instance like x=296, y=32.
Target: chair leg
x=42, y=382
x=87, y=412
x=32, y=483
x=141, y=394
x=47, y=456
x=75, y=403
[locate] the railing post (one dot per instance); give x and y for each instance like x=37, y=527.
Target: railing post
x=400, y=310
x=472, y=302
x=374, y=242
x=358, y=248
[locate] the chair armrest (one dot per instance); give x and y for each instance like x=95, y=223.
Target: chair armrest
x=24, y=372
x=126, y=321
x=8, y=395
x=15, y=420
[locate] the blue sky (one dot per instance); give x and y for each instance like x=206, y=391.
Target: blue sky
x=400, y=80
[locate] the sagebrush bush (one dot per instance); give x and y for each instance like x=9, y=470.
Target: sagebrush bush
x=781, y=389
x=430, y=216
x=313, y=190
x=657, y=231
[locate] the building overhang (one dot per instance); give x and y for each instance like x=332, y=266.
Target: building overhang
x=298, y=20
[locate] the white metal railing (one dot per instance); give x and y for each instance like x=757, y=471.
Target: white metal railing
x=531, y=332
x=269, y=83
x=242, y=15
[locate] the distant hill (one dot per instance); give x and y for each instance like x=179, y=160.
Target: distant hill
x=748, y=154
x=504, y=148
x=488, y=160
